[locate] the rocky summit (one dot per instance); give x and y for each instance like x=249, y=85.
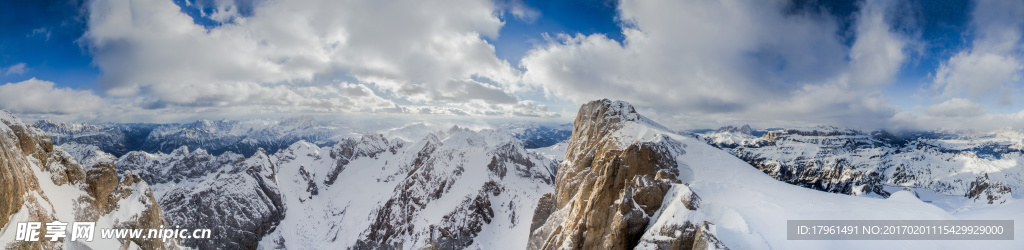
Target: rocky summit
x=614, y=180
x=41, y=183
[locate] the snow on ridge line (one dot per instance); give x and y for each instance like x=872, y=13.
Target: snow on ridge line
x=748, y=206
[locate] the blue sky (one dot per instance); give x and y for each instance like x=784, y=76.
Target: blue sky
x=690, y=64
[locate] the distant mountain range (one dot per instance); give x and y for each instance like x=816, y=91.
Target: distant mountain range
x=247, y=136
x=982, y=167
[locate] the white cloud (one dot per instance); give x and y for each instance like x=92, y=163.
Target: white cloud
x=35, y=96
x=992, y=65
x=16, y=69
x=415, y=50
x=480, y=108
x=979, y=75
x=519, y=10
x=723, y=61
x=956, y=107
x=41, y=31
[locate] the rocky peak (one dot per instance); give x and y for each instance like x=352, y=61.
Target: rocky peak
x=603, y=116
x=93, y=195
x=608, y=109
x=619, y=167
x=745, y=129
x=985, y=191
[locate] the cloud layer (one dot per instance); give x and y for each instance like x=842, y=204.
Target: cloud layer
x=40, y=97
x=991, y=68
x=16, y=69
x=421, y=52
x=688, y=64
x=716, y=61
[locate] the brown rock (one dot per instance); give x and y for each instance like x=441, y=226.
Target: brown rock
x=13, y=181
x=545, y=207
x=609, y=190
x=101, y=181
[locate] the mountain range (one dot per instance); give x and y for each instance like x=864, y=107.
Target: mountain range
x=615, y=179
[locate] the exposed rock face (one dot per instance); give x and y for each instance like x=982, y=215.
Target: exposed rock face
x=102, y=181
x=26, y=154
x=545, y=206
x=444, y=170
x=17, y=178
x=240, y=201
x=985, y=191
x=178, y=166
x=613, y=182
x=349, y=149
x=447, y=190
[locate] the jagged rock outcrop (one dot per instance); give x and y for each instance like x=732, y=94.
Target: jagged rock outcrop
x=350, y=149
x=70, y=194
x=985, y=191
x=453, y=189
x=444, y=169
x=616, y=175
x=239, y=201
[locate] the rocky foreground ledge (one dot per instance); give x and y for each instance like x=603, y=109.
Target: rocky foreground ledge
x=39, y=183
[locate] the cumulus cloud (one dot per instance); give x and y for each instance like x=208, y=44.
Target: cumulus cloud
x=35, y=96
x=956, y=107
x=992, y=65
x=415, y=50
x=16, y=69
x=479, y=108
x=519, y=10
x=731, y=60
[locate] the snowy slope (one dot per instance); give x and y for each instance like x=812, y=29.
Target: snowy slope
x=746, y=209
x=458, y=188
x=852, y=162
x=87, y=155
x=750, y=208
x=451, y=188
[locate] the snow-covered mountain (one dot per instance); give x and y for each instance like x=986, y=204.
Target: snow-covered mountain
x=453, y=189
x=42, y=183
x=112, y=138
x=238, y=136
x=627, y=182
x=984, y=168
x=246, y=136
x=620, y=181
x=619, y=176
x=534, y=135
